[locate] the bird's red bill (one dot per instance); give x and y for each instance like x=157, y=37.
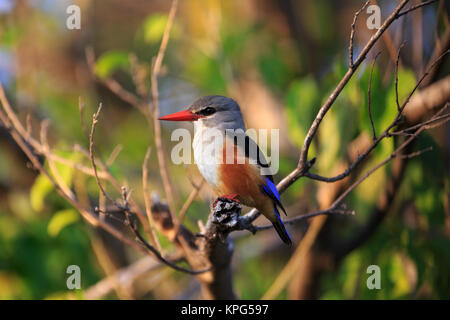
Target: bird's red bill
x=185, y=115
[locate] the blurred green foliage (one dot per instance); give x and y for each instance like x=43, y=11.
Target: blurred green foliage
x=111, y=61
x=40, y=234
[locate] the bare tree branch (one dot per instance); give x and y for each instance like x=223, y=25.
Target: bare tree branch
x=428, y=99
x=385, y=134
x=6, y=116
x=213, y=249
x=155, y=112
x=303, y=162
x=210, y=252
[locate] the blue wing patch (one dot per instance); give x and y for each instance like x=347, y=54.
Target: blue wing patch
x=271, y=190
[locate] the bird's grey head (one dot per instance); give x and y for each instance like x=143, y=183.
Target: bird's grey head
x=218, y=112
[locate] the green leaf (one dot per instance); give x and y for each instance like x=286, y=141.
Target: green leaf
x=42, y=185
x=60, y=220
x=302, y=101
x=111, y=61
x=40, y=189
x=377, y=100
x=154, y=27
x=406, y=82
x=66, y=172
x=11, y=35
x=351, y=272
x=399, y=277
x=330, y=139
x=274, y=70
x=206, y=72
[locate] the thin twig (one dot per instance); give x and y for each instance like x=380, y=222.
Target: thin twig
x=31, y=154
x=113, y=85
x=425, y=123
x=246, y=224
x=51, y=164
x=113, y=155
x=304, y=164
x=92, y=157
x=148, y=206
x=138, y=74
x=415, y=154
x=352, y=33
x=149, y=247
x=125, y=207
x=125, y=277
x=187, y=204
x=303, y=161
x=29, y=126
x=309, y=215
x=386, y=133
x=110, y=178
x=394, y=154
x=416, y=7
x=374, y=135
x=396, y=76
x=155, y=112
x=388, y=41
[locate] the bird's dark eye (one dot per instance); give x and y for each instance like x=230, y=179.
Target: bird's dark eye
x=207, y=111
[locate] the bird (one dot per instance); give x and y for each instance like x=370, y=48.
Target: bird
x=243, y=179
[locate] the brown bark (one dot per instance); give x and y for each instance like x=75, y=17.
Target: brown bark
x=213, y=249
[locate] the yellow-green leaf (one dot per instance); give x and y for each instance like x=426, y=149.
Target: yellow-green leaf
x=406, y=82
x=110, y=62
x=41, y=187
x=154, y=27
x=60, y=220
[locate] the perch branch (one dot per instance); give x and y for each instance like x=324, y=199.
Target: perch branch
x=245, y=222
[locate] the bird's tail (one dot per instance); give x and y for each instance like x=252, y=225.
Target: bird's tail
x=281, y=230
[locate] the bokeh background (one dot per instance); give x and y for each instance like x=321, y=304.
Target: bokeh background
x=280, y=60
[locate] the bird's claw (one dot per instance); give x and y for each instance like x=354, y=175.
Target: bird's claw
x=232, y=196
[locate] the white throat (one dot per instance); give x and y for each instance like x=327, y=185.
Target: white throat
x=207, y=145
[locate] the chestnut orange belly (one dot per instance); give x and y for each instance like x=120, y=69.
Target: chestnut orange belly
x=243, y=179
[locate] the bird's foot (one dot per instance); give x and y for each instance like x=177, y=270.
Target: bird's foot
x=232, y=196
